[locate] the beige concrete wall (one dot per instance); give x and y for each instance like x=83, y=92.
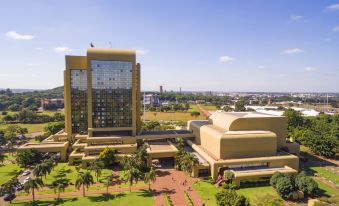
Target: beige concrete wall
x=248, y=145
x=210, y=139
x=72, y=62
x=278, y=125
x=194, y=126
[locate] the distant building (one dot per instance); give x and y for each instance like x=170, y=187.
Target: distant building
x=161, y=89
x=201, y=101
x=52, y=104
x=151, y=100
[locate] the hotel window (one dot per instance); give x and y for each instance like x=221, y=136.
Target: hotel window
x=78, y=80
x=111, y=81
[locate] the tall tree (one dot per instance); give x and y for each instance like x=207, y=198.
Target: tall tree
x=108, y=182
x=43, y=168
x=10, y=187
x=85, y=180
x=33, y=184
x=58, y=188
x=149, y=177
x=96, y=166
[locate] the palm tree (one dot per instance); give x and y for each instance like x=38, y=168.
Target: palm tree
x=84, y=179
x=149, y=177
x=132, y=171
x=188, y=161
x=96, y=166
x=108, y=182
x=58, y=188
x=42, y=169
x=132, y=175
x=32, y=184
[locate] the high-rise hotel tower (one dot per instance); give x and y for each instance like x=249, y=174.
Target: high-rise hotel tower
x=102, y=92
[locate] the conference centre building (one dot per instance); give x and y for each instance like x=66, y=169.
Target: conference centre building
x=102, y=109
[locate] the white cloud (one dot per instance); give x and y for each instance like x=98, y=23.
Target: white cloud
x=333, y=7
x=260, y=67
x=335, y=29
x=309, y=69
x=142, y=51
x=296, y=17
x=293, y=51
x=16, y=36
x=4, y=75
x=38, y=48
x=62, y=49
x=224, y=59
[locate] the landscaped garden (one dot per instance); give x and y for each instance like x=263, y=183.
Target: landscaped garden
x=8, y=171
x=137, y=198
x=207, y=192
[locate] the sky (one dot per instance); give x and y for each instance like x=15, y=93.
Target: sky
x=198, y=45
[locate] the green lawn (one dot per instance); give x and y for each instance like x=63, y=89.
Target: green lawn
x=326, y=190
x=209, y=107
x=193, y=108
x=139, y=198
x=31, y=127
x=7, y=172
x=324, y=172
x=70, y=172
x=207, y=191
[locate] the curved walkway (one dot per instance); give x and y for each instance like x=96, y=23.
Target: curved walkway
x=203, y=111
x=171, y=182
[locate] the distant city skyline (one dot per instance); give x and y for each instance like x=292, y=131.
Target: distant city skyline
x=264, y=46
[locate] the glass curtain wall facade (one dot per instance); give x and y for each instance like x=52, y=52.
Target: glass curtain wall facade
x=78, y=81
x=111, y=93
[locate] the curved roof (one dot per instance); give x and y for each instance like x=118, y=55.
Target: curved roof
x=226, y=119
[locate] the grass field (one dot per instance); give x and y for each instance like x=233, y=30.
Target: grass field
x=207, y=191
x=70, y=172
x=7, y=172
x=139, y=198
x=31, y=127
x=326, y=190
x=193, y=108
x=209, y=107
x=322, y=171
x=171, y=116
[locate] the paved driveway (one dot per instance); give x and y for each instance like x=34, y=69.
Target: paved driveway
x=171, y=182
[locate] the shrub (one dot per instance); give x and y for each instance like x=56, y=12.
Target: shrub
x=230, y=197
x=284, y=186
x=54, y=127
x=230, y=186
x=229, y=176
x=274, y=178
x=107, y=156
x=306, y=184
x=28, y=157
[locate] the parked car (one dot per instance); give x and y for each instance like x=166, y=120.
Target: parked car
x=26, y=172
x=19, y=187
x=26, y=180
x=9, y=196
